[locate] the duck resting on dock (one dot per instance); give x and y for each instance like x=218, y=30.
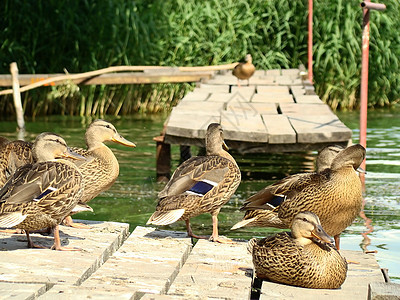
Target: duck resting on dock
x=303, y=257
x=262, y=217
x=334, y=194
x=42, y=194
x=100, y=169
x=201, y=184
x=243, y=71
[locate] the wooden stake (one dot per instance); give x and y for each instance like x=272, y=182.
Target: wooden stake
x=17, y=96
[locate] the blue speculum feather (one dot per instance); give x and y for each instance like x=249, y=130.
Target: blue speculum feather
x=46, y=192
x=276, y=201
x=201, y=188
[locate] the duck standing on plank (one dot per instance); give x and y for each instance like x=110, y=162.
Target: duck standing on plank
x=303, y=257
x=100, y=169
x=334, y=194
x=201, y=184
x=243, y=71
x=42, y=194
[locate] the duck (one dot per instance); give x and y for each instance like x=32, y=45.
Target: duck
x=14, y=154
x=334, y=194
x=42, y=194
x=261, y=217
x=304, y=257
x=244, y=70
x=3, y=141
x=201, y=184
x=100, y=169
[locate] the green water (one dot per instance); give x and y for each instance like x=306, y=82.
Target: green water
x=132, y=198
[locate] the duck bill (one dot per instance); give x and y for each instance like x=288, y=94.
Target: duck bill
x=120, y=140
x=320, y=234
x=73, y=155
x=224, y=146
x=361, y=170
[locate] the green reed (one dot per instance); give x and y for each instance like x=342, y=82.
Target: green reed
x=78, y=36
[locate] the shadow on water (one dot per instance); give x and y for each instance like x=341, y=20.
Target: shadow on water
x=133, y=197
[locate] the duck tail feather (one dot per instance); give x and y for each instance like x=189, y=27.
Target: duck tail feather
x=8, y=220
x=242, y=223
x=165, y=217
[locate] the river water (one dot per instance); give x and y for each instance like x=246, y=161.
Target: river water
x=132, y=198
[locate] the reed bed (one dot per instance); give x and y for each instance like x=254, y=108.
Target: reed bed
x=79, y=36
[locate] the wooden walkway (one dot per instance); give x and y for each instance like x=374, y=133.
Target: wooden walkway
x=155, y=264
x=277, y=112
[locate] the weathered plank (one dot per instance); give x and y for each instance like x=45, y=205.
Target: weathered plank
x=262, y=80
x=243, y=127
x=291, y=72
x=314, y=99
x=246, y=91
x=190, y=124
x=147, y=262
x=305, y=109
x=213, y=88
x=215, y=271
x=274, y=72
x=267, y=89
x=20, y=264
x=221, y=97
x=199, y=95
x=252, y=108
x=355, y=287
x=312, y=128
x=273, y=98
x=383, y=291
x=201, y=107
x=21, y=291
x=280, y=131
x=72, y=292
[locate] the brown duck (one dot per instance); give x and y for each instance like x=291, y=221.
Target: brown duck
x=243, y=71
x=40, y=195
x=334, y=194
x=101, y=168
x=262, y=217
x=303, y=257
x=201, y=184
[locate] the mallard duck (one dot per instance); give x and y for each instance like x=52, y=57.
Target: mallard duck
x=303, y=257
x=101, y=168
x=201, y=184
x=3, y=141
x=40, y=195
x=261, y=217
x=243, y=71
x=13, y=155
x=334, y=194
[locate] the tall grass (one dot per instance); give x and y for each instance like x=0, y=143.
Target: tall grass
x=52, y=35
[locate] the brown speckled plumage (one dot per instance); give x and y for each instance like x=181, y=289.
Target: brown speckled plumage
x=13, y=155
x=334, y=194
x=299, y=259
x=244, y=71
x=177, y=202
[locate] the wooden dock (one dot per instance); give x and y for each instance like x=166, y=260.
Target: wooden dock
x=156, y=264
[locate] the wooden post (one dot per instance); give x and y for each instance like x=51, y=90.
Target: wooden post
x=17, y=96
x=163, y=158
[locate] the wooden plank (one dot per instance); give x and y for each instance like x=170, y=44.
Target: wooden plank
x=272, y=89
x=246, y=91
x=20, y=291
x=190, y=124
x=291, y=72
x=284, y=80
x=308, y=99
x=20, y=264
x=243, y=127
x=305, y=109
x=215, y=271
x=355, y=287
x=263, y=80
x=198, y=95
x=147, y=262
x=280, y=131
x=201, y=107
x=272, y=98
x=252, y=108
x=383, y=291
x=223, y=79
x=220, y=97
x=274, y=72
x=314, y=128
x=213, y=88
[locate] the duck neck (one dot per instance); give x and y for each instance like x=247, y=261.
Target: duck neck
x=222, y=153
x=106, y=156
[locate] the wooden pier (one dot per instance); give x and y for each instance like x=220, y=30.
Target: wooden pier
x=277, y=112
x=156, y=264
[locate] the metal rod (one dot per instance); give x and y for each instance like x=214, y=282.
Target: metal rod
x=310, y=40
x=374, y=6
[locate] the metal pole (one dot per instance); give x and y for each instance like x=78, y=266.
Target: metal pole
x=17, y=96
x=310, y=40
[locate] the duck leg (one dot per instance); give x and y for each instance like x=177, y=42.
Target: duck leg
x=69, y=222
x=57, y=242
x=190, y=232
x=337, y=241
x=215, y=237
x=31, y=244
